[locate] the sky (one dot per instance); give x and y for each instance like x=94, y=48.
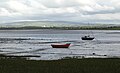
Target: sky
x=92, y=11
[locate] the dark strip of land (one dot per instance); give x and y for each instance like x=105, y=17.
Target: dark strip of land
x=15, y=56
x=90, y=65
x=64, y=28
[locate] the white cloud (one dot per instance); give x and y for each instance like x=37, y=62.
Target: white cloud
x=73, y=10
x=18, y=6
x=4, y=12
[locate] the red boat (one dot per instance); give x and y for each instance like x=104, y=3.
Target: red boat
x=60, y=45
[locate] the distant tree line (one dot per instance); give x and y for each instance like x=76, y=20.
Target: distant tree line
x=64, y=28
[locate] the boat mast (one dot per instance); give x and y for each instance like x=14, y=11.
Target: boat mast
x=90, y=29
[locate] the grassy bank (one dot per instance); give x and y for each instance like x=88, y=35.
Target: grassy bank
x=18, y=65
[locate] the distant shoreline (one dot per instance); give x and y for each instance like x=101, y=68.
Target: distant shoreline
x=62, y=28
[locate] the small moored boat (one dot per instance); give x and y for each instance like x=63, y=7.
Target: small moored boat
x=87, y=38
x=60, y=45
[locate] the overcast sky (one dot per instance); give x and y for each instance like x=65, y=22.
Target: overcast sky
x=92, y=11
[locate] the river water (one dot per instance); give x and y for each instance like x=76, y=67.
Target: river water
x=38, y=42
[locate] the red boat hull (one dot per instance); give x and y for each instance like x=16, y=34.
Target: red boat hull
x=60, y=45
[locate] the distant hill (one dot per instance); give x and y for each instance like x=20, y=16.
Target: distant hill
x=52, y=24
x=42, y=24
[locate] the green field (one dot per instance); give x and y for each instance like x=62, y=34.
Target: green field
x=18, y=65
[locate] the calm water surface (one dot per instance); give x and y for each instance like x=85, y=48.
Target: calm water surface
x=38, y=42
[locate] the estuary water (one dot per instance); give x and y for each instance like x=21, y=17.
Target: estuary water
x=38, y=42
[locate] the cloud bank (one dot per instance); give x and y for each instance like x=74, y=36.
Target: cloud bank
x=101, y=11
